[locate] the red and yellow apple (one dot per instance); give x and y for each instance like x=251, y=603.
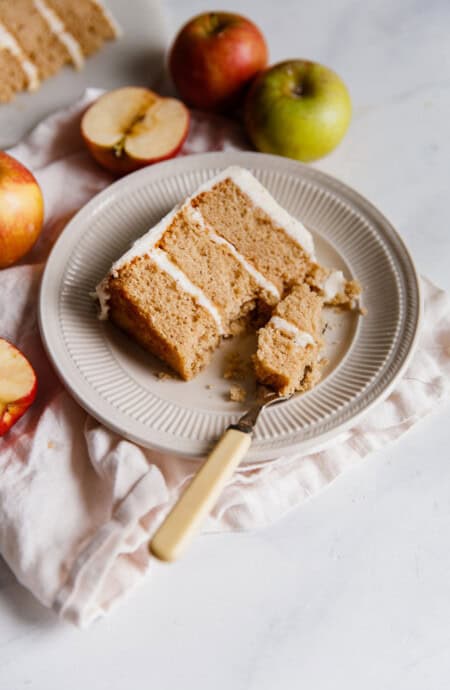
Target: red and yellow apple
x=214, y=57
x=298, y=109
x=17, y=385
x=21, y=210
x=129, y=128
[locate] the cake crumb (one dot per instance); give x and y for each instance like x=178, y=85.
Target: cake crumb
x=363, y=311
x=235, y=367
x=164, y=376
x=209, y=386
x=237, y=393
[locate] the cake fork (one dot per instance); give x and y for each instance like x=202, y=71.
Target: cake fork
x=184, y=520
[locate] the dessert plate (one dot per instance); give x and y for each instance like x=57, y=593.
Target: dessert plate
x=129, y=391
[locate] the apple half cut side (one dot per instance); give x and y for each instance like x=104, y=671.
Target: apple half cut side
x=129, y=128
x=18, y=385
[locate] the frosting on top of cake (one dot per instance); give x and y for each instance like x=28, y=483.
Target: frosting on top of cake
x=301, y=338
x=8, y=41
x=57, y=27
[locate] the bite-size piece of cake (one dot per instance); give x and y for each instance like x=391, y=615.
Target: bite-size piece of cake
x=228, y=253
x=288, y=357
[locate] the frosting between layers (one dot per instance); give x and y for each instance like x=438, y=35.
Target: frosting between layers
x=8, y=41
x=261, y=280
x=301, y=338
x=57, y=27
x=334, y=285
x=162, y=260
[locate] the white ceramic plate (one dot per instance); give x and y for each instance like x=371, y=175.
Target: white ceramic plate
x=118, y=383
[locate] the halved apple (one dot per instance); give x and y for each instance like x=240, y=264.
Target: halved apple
x=18, y=385
x=130, y=128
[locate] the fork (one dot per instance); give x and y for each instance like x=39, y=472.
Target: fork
x=184, y=520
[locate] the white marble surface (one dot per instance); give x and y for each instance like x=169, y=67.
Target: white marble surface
x=352, y=590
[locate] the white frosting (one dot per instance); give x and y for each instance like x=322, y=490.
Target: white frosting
x=197, y=217
x=57, y=27
x=162, y=260
x=114, y=24
x=261, y=197
x=144, y=244
x=334, y=285
x=301, y=338
x=9, y=42
x=102, y=294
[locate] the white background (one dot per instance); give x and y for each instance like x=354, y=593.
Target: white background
x=352, y=590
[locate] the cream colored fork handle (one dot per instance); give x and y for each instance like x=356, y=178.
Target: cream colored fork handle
x=197, y=501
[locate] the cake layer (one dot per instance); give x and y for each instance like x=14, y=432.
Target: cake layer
x=24, y=21
x=148, y=303
x=287, y=356
x=88, y=21
x=268, y=246
x=211, y=264
x=13, y=77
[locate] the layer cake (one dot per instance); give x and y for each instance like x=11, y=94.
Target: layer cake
x=225, y=259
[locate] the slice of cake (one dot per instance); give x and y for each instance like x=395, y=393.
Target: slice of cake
x=39, y=37
x=289, y=345
x=221, y=260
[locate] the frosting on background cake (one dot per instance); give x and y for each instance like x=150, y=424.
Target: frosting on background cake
x=227, y=257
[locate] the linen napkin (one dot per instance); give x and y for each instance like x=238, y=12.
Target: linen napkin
x=78, y=503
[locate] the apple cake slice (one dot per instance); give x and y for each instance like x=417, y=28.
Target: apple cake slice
x=227, y=257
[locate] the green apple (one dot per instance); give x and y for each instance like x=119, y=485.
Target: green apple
x=298, y=109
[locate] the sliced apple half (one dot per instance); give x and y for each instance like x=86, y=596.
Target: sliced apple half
x=18, y=385
x=130, y=128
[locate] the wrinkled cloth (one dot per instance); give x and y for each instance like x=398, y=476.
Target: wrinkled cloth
x=78, y=503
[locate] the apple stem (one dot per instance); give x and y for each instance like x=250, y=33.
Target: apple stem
x=119, y=147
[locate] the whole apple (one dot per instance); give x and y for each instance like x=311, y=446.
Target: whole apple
x=298, y=109
x=21, y=210
x=214, y=57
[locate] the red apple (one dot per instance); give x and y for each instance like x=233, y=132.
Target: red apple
x=17, y=385
x=214, y=57
x=21, y=210
x=132, y=127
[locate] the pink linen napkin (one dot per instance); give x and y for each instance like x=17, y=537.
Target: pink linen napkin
x=79, y=503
